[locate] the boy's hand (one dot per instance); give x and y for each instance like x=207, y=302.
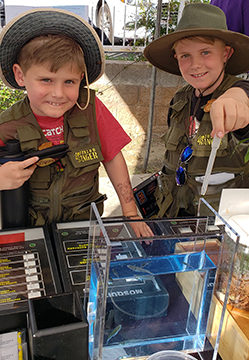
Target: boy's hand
x=230, y=112
x=141, y=229
x=14, y=173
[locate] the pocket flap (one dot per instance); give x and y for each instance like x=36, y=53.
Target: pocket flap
x=77, y=121
x=87, y=155
x=29, y=137
x=28, y=132
x=179, y=105
x=173, y=137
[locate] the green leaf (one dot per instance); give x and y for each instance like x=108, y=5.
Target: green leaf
x=8, y=96
x=246, y=156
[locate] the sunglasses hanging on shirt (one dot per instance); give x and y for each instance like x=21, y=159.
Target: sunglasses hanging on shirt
x=187, y=152
x=181, y=172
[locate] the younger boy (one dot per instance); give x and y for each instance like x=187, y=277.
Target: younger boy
x=53, y=54
x=214, y=102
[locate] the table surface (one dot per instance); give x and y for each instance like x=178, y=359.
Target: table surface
x=207, y=355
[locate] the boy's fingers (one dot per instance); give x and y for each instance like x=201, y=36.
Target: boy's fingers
x=217, y=118
x=29, y=162
x=228, y=115
x=223, y=118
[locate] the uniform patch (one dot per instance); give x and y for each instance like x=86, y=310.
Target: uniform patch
x=45, y=145
x=45, y=162
x=86, y=155
x=204, y=140
x=208, y=105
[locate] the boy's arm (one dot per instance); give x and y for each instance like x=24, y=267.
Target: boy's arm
x=119, y=176
x=230, y=112
x=14, y=173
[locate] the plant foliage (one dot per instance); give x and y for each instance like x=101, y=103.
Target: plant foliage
x=147, y=17
x=8, y=96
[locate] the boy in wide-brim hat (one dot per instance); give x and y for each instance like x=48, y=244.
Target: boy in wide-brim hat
x=214, y=102
x=55, y=55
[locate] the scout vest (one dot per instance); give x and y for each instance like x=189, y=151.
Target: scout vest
x=65, y=192
x=174, y=197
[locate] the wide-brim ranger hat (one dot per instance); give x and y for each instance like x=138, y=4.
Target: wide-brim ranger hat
x=199, y=19
x=42, y=21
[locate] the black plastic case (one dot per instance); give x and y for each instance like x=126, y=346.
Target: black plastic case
x=27, y=270
x=58, y=328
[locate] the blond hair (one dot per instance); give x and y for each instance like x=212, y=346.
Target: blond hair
x=204, y=39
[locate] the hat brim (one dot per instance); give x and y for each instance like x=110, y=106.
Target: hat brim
x=30, y=24
x=160, y=54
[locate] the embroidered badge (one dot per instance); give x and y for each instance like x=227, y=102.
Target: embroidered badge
x=204, y=140
x=86, y=155
x=208, y=105
x=45, y=145
x=45, y=162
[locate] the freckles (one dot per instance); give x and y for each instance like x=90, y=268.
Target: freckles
x=39, y=95
x=183, y=67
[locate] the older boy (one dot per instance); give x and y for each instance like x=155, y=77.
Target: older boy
x=53, y=55
x=213, y=102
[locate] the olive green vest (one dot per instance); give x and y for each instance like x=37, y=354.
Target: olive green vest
x=65, y=193
x=174, y=197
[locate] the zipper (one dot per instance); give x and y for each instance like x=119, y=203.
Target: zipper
x=56, y=197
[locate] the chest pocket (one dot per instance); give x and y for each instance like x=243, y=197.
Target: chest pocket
x=29, y=137
x=173, y=137
x=202, y=144
x=84, y=159
x=41, y=178
x=177, y=107
x=79, y=126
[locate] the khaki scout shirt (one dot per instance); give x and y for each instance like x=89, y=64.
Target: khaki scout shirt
x=174, y=197
x=60, y=193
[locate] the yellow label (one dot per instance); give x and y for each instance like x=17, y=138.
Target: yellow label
x=45, y=162
x=82, y=156
x=204, y=140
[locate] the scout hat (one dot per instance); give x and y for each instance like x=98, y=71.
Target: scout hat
x=30, y=24
x=199, y=19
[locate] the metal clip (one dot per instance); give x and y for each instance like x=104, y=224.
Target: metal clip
x=159, y=181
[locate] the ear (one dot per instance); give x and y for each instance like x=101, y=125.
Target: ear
x=19, y=75
x=228, y=51
x=175, y=56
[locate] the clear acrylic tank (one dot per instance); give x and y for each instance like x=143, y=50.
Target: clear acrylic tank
x=147, y=297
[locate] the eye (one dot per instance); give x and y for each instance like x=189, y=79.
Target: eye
x=206, y=52
x=46, y=80
x=184, y=56
x=69, y=82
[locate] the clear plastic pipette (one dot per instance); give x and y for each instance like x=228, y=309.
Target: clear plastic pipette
x=214, y=147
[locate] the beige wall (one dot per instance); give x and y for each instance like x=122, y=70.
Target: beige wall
x=125, y=89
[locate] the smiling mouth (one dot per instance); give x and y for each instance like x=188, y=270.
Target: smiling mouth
x=54, y=104
x=198, y=75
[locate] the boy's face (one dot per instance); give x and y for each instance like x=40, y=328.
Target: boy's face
x=50, y=94
x=201, y=63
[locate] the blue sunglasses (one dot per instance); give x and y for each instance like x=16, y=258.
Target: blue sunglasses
x=181, y=172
